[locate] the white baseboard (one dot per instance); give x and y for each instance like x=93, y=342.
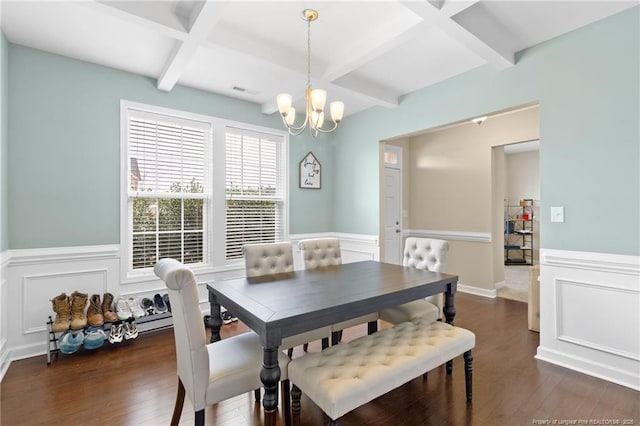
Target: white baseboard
x=596, y=369
x=492, y=294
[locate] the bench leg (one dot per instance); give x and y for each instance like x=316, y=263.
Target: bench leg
x=296, y=393
x=325, y=343
x=333, y=422
x=336, y=336
x=449, y=367
x=468, y=360
x=372, y=327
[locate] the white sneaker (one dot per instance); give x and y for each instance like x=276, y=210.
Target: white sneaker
x=134, y=306
x=116, y=333
x=130, y=330
x=122, y=309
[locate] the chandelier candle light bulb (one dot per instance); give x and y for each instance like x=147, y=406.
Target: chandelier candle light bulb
x=315, y=99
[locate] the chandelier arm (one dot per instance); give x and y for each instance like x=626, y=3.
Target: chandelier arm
x=335, y=126
x=296, y=128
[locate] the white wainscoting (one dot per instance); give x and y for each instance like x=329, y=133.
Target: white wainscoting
x=590, y=314
x=31, y=278
x=4, y=317
x=35, y=276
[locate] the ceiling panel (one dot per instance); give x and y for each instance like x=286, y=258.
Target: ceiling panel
x=365, y=53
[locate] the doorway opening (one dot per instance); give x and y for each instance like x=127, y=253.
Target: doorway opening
x=521, y=218
x=453, y=188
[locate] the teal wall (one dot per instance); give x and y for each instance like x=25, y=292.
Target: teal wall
x=64, y=149
x=4, y=143
x=63, y=159
x=588, y=86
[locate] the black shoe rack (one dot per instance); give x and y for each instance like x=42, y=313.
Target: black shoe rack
x=53, y=349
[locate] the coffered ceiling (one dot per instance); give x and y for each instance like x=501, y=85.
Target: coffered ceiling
x=365, y=53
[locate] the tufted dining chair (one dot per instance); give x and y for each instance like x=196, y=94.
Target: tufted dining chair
x=274, y=258
x=421, y=253
x=209, y=373
x=320, y=252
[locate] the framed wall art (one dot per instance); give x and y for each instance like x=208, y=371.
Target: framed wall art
x=310, y=172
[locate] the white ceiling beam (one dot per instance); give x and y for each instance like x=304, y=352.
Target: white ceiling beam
x=370, y=91
x=451, y=8
x=499, y=57
x=201, y=27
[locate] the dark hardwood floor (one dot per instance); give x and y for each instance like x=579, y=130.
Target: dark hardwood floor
x=134, y=384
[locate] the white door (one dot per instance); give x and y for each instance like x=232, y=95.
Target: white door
x=392, y=205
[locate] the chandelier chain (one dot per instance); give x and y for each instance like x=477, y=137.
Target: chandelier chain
x=308, y=52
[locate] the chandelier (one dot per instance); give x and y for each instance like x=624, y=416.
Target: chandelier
x=315, y=99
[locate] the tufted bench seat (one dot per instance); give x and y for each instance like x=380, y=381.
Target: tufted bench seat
x=344, y=377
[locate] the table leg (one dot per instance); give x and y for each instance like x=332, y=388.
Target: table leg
x=270, y=376
x=215, y=320
x=449, y=314
x=449, y=305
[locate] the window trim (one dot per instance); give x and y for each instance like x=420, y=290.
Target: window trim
x=216, y=217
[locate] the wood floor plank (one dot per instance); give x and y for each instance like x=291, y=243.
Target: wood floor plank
x=135, y=384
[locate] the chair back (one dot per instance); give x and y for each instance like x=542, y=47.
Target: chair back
x=430, y=254
x=188, y=328
x=318, y=252
x=425, y=253
x=268, y=258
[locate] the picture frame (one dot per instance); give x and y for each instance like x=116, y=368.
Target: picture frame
x=310, y=172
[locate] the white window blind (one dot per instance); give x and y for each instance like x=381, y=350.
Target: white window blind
x=254, y=190
x=168, y=188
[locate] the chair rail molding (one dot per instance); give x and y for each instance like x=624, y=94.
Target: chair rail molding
x=477, y=237
x=62, y=254
x=580, y=293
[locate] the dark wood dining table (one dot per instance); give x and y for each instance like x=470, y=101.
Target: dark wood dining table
x=281, y=305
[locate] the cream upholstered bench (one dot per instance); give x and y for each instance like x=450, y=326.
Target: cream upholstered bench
x=344, y=377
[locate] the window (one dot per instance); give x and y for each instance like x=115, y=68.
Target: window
x=197, y=188
x=168, y=188
x=254, y=190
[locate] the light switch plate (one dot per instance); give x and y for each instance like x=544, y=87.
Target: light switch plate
x=557, y=214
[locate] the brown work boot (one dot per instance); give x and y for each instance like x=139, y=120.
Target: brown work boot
x=62, y=308
x=94, y=311
x=78, y=317
x=107, y=308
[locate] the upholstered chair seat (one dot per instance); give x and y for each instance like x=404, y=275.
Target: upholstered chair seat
x=421, y=253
